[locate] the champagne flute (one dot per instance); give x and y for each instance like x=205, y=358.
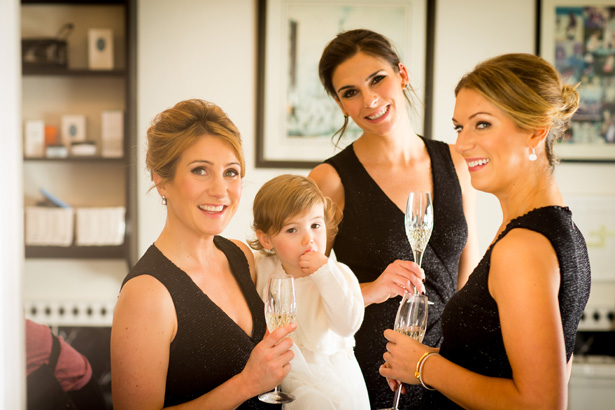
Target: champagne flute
x=419, y=223
x=280, y=310
x=411, y=320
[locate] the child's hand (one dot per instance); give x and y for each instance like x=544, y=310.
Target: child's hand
x=311, y=261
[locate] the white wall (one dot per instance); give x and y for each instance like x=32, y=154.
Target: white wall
x=12, y=345
x=465, y=36
x=207, y=49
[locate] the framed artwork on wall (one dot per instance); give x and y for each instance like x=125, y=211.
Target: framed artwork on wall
x=578, y=37
x=295, y=117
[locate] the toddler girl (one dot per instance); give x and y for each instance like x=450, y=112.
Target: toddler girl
x=291, y=220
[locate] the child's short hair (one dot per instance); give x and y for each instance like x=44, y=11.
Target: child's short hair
x=282, y=198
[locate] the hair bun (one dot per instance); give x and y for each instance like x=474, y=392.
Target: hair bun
x=570, y=101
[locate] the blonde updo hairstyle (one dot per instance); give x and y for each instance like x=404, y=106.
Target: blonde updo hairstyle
x=284, y=197
x=176, y=129
x=529, y=91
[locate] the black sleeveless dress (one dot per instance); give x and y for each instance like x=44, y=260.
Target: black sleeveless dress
x=371, y=236
x=209, y=347
x=470, y=321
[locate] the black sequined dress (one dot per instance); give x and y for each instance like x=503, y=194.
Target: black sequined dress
x=371, y=236
x=470, y=321
x=209, y=347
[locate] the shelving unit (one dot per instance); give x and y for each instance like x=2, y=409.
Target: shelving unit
x=50, y=92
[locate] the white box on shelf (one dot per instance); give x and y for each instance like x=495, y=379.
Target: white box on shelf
x=83, y=149
x=46, y=226
x=112, y=134
x=100, y=226
x=34, y=138
x=73, y=129
x=100, y=49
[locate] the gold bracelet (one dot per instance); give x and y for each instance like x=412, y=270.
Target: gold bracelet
x=417, y=372
x=420, y=372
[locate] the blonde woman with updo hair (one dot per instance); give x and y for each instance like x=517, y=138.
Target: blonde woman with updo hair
x=189, y=327
x=509, y=333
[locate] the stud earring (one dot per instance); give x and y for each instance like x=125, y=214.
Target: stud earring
x=164, y=200
x=533, y=156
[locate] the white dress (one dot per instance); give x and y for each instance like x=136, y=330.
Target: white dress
x=325, y=373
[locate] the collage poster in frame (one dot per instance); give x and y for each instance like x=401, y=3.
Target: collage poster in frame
x=295, y=117
x=578, y=37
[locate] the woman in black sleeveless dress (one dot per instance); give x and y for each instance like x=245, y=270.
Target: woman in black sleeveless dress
x=508, y=335
x=189, y=326
x=370, y=181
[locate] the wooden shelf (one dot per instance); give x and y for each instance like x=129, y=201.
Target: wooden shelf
x=68, y=72
x=82, y=85
x=74, y=2
x=120, y=160
x=76, y=252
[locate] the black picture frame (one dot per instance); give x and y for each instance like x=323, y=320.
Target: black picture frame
x=578, y=38
x=276, y=147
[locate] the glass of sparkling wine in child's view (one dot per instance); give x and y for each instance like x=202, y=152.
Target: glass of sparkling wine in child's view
x=280, y=310
x=411, y=320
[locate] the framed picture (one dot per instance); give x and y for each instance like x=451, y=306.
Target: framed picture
x=296, y=119
x=578, y=37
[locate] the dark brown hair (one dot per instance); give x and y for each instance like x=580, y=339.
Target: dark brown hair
x=347, y=44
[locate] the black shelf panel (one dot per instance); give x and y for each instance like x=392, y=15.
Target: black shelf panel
x=76, y=252
x=75, y=2
x=67, y=72
x=77, y=159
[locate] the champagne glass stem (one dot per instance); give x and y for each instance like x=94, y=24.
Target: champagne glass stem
x=418, y=258
x=396, y=398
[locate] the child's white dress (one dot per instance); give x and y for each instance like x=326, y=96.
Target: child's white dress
x=325, y=373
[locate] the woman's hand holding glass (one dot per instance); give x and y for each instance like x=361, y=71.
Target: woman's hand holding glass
x=280, y=311
x=411, y=320
x=269, y=362
x=401, y=357
x=393, y=282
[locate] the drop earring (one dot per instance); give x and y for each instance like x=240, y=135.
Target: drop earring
x=533, y=156
x=164, y=200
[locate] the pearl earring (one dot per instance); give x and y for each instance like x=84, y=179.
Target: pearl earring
x=533, y=156
x=164, y=200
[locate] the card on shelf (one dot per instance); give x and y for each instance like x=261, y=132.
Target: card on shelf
x=34, y=139
x=51, y=135
x=100, y=49
x=112, y=134
x=73, y=129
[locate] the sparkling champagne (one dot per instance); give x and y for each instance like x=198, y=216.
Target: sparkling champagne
x=418, y=237
x=415, y=332
x=278, y=320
